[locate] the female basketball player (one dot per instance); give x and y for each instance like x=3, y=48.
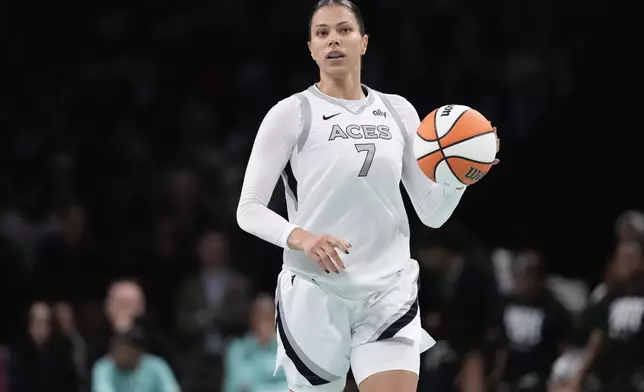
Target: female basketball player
x=342, y=150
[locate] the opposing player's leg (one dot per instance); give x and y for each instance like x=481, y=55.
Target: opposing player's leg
x=314, y=336
x=388, y=338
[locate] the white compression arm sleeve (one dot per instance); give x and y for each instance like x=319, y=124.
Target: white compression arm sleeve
x=271, y=152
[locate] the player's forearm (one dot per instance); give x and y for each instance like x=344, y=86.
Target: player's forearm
x=436, y=208
x=260, y=221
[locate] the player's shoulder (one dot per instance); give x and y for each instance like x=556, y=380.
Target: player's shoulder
x=291, y=105
x=395, y=99
x=400, y=104
x=287, y=111
x=402, y=108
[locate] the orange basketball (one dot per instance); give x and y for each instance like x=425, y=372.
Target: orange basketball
x=455, y=145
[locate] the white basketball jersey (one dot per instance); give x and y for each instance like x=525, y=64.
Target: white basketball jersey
x=343, y=179
x=342, y=162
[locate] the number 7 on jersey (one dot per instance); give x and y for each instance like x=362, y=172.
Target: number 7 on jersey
x=370, y=148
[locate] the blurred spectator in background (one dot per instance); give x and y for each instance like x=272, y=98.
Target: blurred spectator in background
x=250, y=360
x=534, y=328
x=630, y=226
x=458, y=295
x=129, y=367
x=185, y=203
x=124, y=306
x=212, y=306
x=26, y=225
x=40, y=362
x=69, y=255
x=72, y=339
x=615, y=351
x=125, y=302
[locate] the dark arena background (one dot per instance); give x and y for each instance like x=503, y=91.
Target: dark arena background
x=127, y=126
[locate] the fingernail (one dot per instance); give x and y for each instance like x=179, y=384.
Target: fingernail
x=327, y=271
x=346, y=251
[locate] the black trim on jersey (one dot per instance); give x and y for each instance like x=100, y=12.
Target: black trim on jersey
x=291, y=182
x=401, y=323
x=304, y=370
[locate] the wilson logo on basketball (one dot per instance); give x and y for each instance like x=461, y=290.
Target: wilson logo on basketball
x=474, y=174
x=447, y=110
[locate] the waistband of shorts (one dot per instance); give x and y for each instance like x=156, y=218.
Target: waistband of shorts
x=344, y=288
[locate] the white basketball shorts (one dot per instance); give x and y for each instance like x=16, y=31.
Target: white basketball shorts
x=320, y=334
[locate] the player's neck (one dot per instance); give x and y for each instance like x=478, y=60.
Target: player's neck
x=347, y=87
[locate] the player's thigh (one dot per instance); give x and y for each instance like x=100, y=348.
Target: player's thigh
x=314, y=336
x=386, y=366
x=387, y=333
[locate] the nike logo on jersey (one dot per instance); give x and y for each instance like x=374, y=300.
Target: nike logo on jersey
x=360, y=132
x=328, y=117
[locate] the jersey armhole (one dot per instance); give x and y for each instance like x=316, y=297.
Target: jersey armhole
x=305, y=106
x=395, y=115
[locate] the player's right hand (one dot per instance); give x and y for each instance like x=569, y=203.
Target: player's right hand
x=320, y=248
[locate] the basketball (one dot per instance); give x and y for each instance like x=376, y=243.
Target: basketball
x=455, y=145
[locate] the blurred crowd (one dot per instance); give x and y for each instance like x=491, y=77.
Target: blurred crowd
x=189, y=333
x=503, y=324
x=128, y=132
